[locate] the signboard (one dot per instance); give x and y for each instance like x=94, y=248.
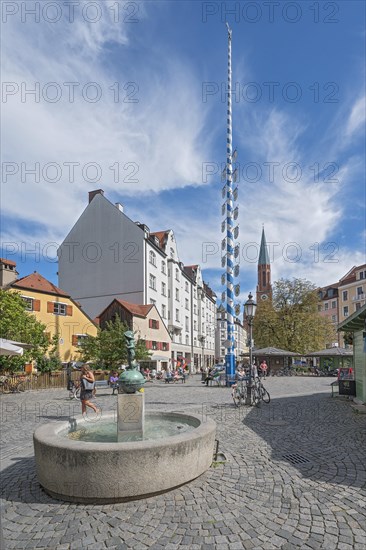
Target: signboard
x=347, y=387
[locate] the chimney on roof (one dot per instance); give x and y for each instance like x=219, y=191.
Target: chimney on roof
x=93, y=193
x=8, y=272
x=119, y=206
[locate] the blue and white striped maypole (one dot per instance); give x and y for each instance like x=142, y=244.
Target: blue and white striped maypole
x=230, y=356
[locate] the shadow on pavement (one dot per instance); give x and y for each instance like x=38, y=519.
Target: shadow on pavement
x=321, y=437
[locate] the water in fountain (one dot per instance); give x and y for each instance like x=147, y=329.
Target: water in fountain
x=106, y=432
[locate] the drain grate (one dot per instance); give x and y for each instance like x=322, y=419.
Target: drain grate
x=295, y=458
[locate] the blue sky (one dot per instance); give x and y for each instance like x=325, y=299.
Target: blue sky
x=143, y=117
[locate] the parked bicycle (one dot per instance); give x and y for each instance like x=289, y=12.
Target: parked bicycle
x=74, y=390
x=285, y=372
x=12, y=384
x=258, y=393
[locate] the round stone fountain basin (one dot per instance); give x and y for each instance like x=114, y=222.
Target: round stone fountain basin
x=92, y=471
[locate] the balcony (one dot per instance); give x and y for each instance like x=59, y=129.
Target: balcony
x=359, y=298
x=175, y=327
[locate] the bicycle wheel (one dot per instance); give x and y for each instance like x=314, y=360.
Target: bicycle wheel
x=266, y=398
x=244, y=394
x=255, y=396
x=237, y=398
x=21, y=386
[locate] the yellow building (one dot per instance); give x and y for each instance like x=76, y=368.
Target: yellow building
x=58, y=311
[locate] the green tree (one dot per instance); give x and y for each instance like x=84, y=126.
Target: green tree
x=292, y=321
x=19, y=325
x=53, y=362
x=108, y=349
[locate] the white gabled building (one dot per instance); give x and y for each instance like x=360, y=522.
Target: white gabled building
x=240, y=337
x=106, y=255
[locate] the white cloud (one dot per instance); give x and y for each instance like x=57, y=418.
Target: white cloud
x=357, y=117
x=161, y=142
x=147, y=146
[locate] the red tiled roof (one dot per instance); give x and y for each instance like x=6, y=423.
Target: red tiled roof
x=350, y=277
x=161, y=235
x=7, y=262
x=35, y=281
x=190, y=271
x=135, y=309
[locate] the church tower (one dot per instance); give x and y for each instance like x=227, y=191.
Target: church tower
x=264, y=287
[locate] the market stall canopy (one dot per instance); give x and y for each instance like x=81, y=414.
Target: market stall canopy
x=272, y=352
x=8, y=347
x=356, y=321
x=331, y=352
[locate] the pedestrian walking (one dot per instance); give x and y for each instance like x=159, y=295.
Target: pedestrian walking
x=263, y=369
x=87, y=385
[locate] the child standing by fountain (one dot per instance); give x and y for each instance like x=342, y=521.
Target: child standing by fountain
x=87, y=383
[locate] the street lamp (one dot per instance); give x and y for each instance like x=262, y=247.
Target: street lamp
x=203, y=339
x=249, y=312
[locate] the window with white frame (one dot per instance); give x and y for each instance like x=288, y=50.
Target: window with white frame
x=59, y=309
x=28, y=303
x=187, y=303
x=152, y=281
x=326, y=305
x=177, y=274
x=163, y=267
x=187, y=324
x=177, y=314
x=359, y=290
x=187, y=288
x=345, y=295
x=358, y=306
x=81, y=338
x=177, y=294
x=163, y=311
x=163, y=289
x=187, y=339
x=152, y=257
x=345, y=311
x=334, y=304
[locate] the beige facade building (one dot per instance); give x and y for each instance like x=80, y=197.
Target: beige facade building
x=352, y=291
x=53, y=307
x=340, y=300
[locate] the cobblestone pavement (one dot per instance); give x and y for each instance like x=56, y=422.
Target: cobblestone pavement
x=294, y=477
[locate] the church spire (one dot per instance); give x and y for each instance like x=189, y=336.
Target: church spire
x=263, y=252
x=264, y=287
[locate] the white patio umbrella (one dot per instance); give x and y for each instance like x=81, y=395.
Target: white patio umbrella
x=8, y=347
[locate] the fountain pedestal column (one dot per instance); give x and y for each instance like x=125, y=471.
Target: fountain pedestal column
x=130, y=415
